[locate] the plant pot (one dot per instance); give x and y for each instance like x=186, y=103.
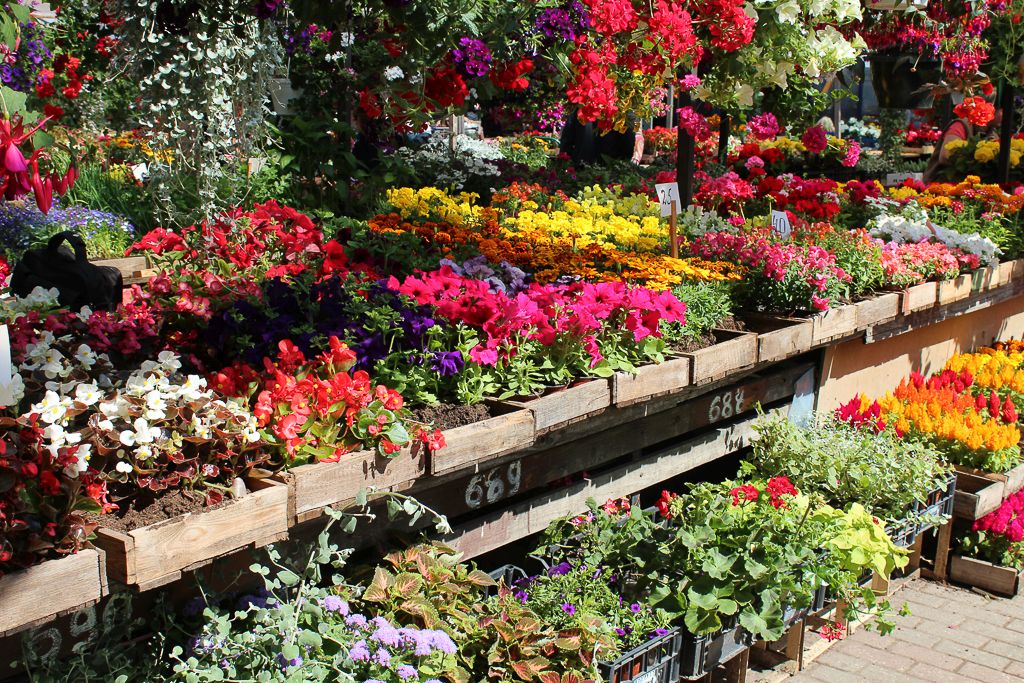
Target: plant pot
x=898, y=80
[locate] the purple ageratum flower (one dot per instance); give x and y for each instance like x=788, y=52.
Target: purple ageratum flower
x=387, y=635
x=382, y=657
x=472, y=57
x=447, y=363
x=288, y=663
x=332, y=603
x=359, y=652
x=356, y=620
x=569, y=608
x=405, y=672
x=442, y=642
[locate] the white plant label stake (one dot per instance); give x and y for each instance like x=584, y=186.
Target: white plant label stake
x=6, y=379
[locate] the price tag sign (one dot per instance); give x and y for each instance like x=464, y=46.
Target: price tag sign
x=668, y=193
x=781, y=224
x=893, y=179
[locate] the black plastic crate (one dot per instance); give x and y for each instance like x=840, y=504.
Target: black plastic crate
x=701, y=654
x=938, y=503
x=656, y=661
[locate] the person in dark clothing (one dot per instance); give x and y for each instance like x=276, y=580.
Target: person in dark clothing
x=578, y=140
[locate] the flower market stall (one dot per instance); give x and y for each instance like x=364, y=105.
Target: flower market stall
x=559, y=341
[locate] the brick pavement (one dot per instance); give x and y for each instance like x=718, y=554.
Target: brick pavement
x=953, y=634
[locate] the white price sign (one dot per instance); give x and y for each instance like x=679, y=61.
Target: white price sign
x=667, y=193
x=781, y=224
x=893, y=179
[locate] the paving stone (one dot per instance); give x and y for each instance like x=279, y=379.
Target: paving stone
x=972, y=654
x=983, y=673
x=954, y=632
x=926, y=655
x=915, y=636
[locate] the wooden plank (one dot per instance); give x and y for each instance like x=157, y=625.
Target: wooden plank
x=484, y=441
x=477, y=488
x=317, y=486
x=1012, y=480
x=572, y=404
x=155, y=554
x=957, y=289
x=984, y=279
x=985, y=575
x=877, y=310
x=38, y=594
x=976, y=496
x=779, y=338
x=650, y=380
x=941, y=567
x=491, y=531
x=840, y=321
x=919, y=297
x=734, y=350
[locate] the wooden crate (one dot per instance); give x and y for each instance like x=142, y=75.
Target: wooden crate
x=779, y=338
x=732, y=352
x=957, y=289
x=160, y=553
x=564, y=406
x=134, y=269
x=976, y=496
x=36, y=595
x=877, y=310
x=835, y=322
x=650, y=380
x=919, y=297
x=311, y=488
x=1012, y=481
x=486, y=440
x=985, y=575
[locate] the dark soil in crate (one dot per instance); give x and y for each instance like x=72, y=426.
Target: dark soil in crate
x=708, y=338
x=139, y=512
x=447, y=416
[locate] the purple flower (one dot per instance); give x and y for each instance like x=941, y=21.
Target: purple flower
x=521, y=596
x=442, y=642
x=560, y=569
x=568, y=608
x=405, y=672
x=556, y=23
x=635, y=608
x=265, y=9
x=382, y=657
x=387, y=635
x=658, y=632
x=359, y=652
x=332, y=603
x=447, y=363
x=357, y=620
x=288, y=663
x=473, y=57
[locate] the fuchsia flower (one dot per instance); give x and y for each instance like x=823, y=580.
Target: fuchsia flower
x=15, y=179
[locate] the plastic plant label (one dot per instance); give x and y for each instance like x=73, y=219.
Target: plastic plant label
x=668, y=193
x=781, y=224
x=893, y=179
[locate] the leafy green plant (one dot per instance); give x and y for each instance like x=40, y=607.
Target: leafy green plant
x=707, y=305
x=848, y=465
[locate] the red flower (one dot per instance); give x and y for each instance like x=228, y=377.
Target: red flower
x=976, y=110
x=664, y=504
x=778, y=487
x=745, y=493
x=815, y=139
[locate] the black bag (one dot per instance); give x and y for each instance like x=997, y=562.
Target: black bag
x=80, y=283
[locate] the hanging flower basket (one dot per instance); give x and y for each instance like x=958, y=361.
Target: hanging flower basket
x=899, y=80
x=896, y=5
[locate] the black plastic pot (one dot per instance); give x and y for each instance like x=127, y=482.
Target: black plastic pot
x=898, y=80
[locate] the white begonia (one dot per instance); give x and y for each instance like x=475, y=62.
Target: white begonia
x=105, y=425
x=53, y=365
x=85, y=356
x=192, y=388
x=15, y=391
x=124, y=467
x=82, y=453
x=87, y=394
x=169, y=361
x=52, y=408
x=144, y=452
x=155, y=406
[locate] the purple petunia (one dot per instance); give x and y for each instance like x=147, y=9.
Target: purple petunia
x=472, y=57
x=568, y=608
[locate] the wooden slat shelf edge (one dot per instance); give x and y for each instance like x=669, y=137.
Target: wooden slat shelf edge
x=160, y=553
x=494, y=530
x=39, y=594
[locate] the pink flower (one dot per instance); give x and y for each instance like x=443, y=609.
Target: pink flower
x=689, y=82
x=815, y=140
x=764, y=126
x=694, y=124
x=852, y=154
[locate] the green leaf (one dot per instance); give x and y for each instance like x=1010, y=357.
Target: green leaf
x=288, y=578
x=290, y=651
x=21, y=12
x=361, y=497
x=310, y=638
x=754, y=623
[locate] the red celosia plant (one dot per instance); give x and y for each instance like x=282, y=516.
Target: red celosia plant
x=998, y=537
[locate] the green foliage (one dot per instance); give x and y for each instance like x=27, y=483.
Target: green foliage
x=848, y=465
x=969, y=218
x=707, y=305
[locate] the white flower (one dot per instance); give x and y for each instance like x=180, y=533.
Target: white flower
x=13, y=392
x=53, y=365
x=83, y=453
x=745, y=95
x=85, y=356
x=192, y=388
x=144, y=452
x=87, y=394
x=51, y=408
x=124, y=467
x=169, y=360
x=155, y=406
x=105, y=425
x=393, y=73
